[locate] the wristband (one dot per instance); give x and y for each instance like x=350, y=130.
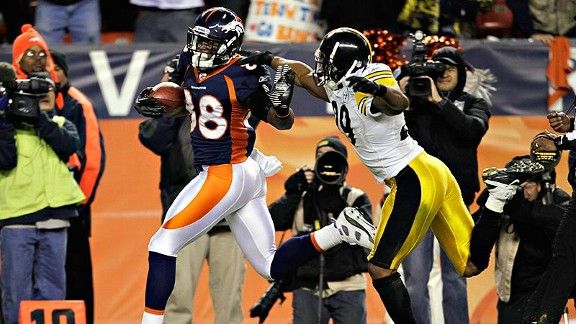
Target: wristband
x=282, y=112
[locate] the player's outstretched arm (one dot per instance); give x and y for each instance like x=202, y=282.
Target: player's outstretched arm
x=303, y=73
x=303, y=76
x=388, y=100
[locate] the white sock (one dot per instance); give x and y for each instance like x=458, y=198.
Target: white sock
x=148, y=318
x=327, y=237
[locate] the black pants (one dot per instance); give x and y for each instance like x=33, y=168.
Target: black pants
x=559, y=280
x=79, y=282
x=511, y=312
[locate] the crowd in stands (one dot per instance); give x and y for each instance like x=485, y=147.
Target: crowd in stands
x=80, y=21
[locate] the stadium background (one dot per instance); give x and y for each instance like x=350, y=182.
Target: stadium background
x=127, y=208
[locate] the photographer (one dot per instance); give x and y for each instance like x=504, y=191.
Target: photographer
x=449, y=124
x=524, y=247
x=558, y=282
x=39, y=196
x=311, y=199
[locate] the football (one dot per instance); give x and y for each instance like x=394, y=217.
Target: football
x=169, y=94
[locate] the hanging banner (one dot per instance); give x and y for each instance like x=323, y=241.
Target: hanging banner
x=284, y=21
x=112, y=76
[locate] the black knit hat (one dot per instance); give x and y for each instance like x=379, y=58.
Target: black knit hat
x=60, y=60
x=452, y=56
x=335, y=143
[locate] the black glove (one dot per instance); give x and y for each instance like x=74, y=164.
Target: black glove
x=360, y=84
x=257, y=58
x=281, y=93
x=296, y=183
x=147, y=106
x=171, y=70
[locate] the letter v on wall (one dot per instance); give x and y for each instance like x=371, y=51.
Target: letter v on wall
x=119, y=103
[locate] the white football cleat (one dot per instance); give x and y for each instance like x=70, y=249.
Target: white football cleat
x=354, y=228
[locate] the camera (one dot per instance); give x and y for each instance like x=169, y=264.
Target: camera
x=419, y=67
x=331, y=168
x=37, y=84
x=24, y=95
x=263, y=306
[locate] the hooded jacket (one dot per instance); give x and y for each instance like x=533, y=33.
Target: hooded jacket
x=453, y=129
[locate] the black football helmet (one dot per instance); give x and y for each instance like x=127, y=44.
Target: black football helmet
x=338, y=51
x=215, y=37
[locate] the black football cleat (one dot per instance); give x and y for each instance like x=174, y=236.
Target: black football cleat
x=526, y=167
x=516, y=173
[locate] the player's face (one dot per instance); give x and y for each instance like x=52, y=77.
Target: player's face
x=207, y=46
x=448, y=80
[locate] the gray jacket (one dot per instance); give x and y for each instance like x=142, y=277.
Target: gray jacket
x=553, y=16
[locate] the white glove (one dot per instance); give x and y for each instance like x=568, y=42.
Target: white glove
x=268, y=163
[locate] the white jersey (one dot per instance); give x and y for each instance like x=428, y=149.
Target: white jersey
x=381, y=141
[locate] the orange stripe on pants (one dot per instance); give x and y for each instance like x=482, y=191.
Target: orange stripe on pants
x=213, y=190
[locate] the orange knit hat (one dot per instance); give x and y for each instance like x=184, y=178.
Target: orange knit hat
x=23, y=42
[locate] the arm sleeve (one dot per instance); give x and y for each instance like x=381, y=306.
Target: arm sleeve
x=158, y=135
x=77, y=162
x=252, y=92
x=8, y=153
x=471, y=125
x=94, y=152
x=79, y=120
x=259, y=103
x=63, y=140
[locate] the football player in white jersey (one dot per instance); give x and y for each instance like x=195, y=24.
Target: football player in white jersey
x=368, y=107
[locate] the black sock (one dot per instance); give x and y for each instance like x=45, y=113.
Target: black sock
x=484, y=235
x=395, y=297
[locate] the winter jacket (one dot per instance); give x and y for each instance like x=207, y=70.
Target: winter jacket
x=524, y=247
x=554, y=17
x=452, y=132
x=39, y=180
